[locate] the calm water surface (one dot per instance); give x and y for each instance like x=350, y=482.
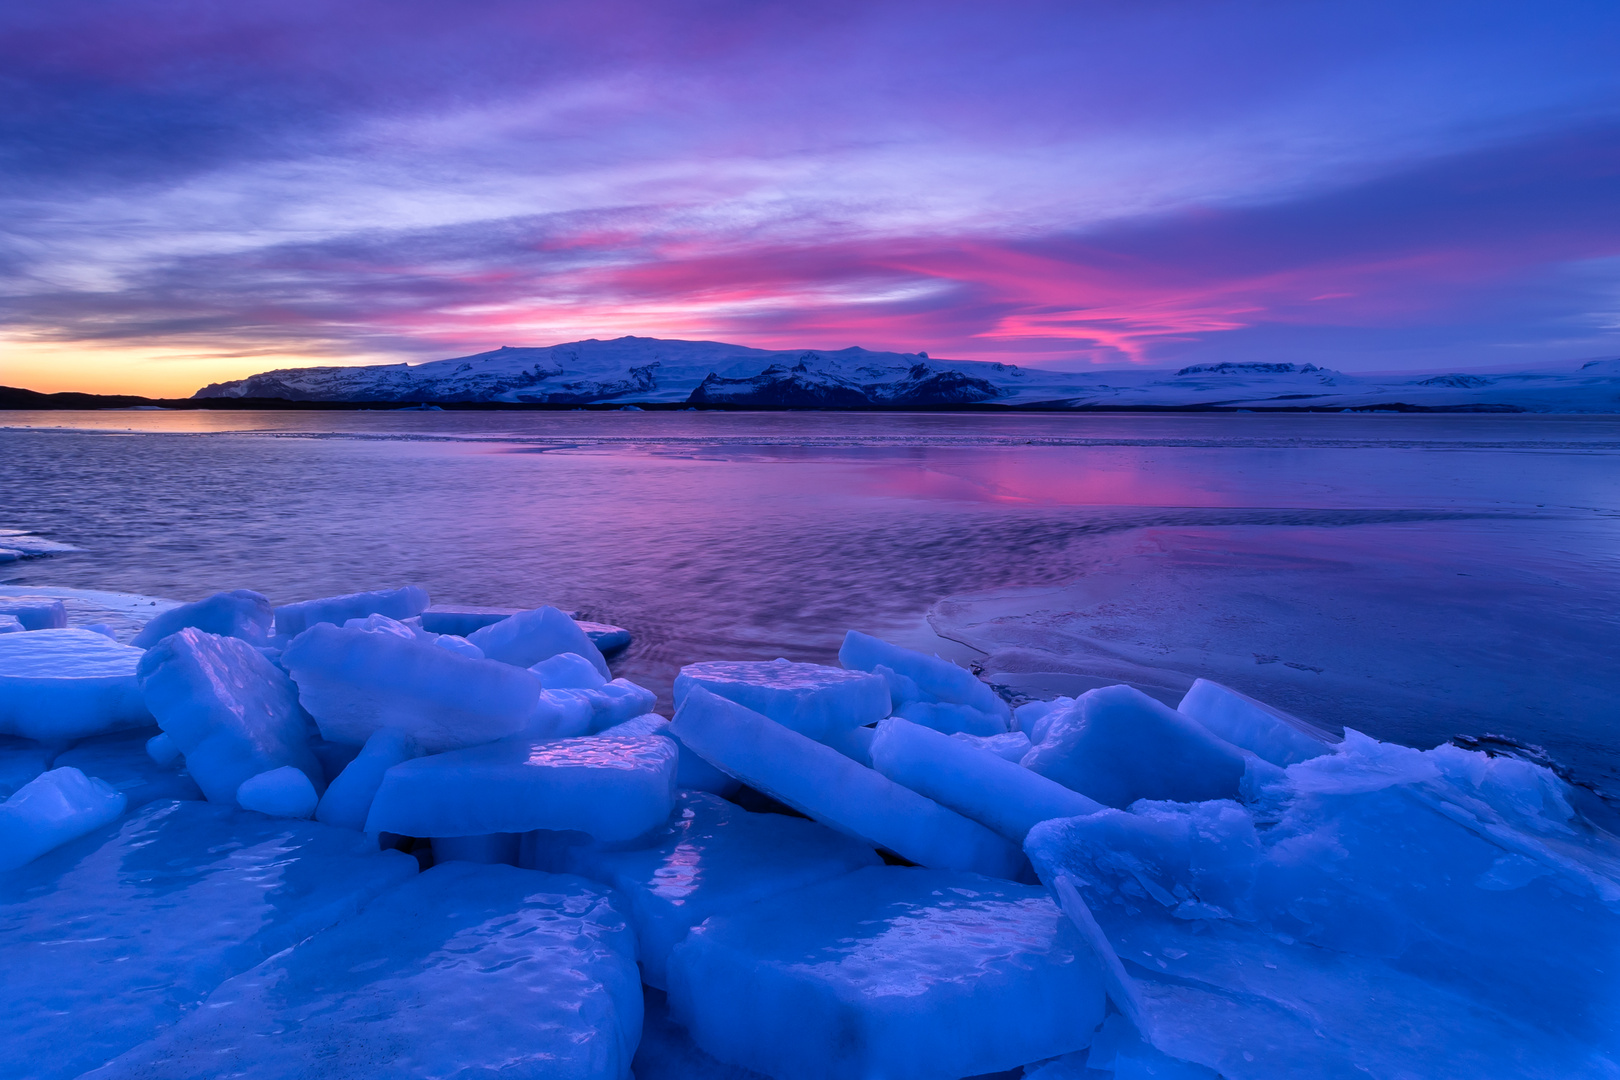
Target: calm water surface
x=716, y=535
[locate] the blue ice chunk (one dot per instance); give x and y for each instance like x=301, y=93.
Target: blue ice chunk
x=356, y=682
x=1387, y=883
x=612, y=786
x=924, y=678
x=812, y=699
x=348, y=797
x=383, y=624
x=163, y=906
x=568, y=711
x=241, y=613
x=560, y=714
x=1012, y=745
x=122, y=760
x=568, y=671
x=1271, y=734
x=898, y=972
x=1033, y=717
x=458, y=645
x=162, y=749
x=294, y=619
x=1118, y=745
x=997, y=793
x=529, y=637
x=35, y=612
x=51, y=809
x=60, y=685
x=711, y=857
x=233, y=713
x=618, y=701
x=824, y=784
x=607, y=638
x=284, y=792
x=10, y=624
x=466, y=971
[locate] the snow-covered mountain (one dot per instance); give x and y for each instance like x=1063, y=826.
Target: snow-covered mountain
x=635, y=370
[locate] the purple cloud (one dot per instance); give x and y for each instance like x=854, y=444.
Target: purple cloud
x=1055, y=183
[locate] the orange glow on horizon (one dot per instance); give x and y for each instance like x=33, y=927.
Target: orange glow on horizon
x=143, y=370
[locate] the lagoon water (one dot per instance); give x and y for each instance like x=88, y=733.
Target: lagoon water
x=1416, y=577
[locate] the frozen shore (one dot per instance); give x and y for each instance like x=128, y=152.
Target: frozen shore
x=380, y=834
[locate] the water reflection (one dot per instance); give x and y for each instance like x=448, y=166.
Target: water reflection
x=747, y=536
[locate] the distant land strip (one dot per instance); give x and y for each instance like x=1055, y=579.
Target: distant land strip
x=17, y=398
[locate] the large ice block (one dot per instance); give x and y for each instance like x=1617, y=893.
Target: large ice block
x=233, y=713
x=122, y=760
x=60, y=685
x=529, y=637
x=356, y=682
x=1270, y=734
x=1118, y=745
x=348, y=797
x=898, y=972
x=35, y=612
x=917, y=679
x=240, y=613
x=162, y=907
x=611, y=786
x=812, y=699
x=294, y=619
x=973, y=781
x=51, y=809
x=821, y=782
x=608, y=638
x=711, y=857
x=1386, y=883
x=466, y=971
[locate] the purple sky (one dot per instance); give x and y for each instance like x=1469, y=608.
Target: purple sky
x=197, y=190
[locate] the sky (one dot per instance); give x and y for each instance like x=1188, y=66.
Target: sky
x=196, y=190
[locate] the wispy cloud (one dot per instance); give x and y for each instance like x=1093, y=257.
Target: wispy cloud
x=1065, y=183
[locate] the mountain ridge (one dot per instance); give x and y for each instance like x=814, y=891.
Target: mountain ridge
x=659, y=371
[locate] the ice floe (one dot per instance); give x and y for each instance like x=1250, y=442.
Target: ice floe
x=890, y=971
x=1105, y=885
x=232, y=713
x=466, y=970
x=64, y=684
x=113, y=937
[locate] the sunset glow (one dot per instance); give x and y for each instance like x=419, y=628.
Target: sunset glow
x=195, y=192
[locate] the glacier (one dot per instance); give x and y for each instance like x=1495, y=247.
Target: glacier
x=798, y=877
